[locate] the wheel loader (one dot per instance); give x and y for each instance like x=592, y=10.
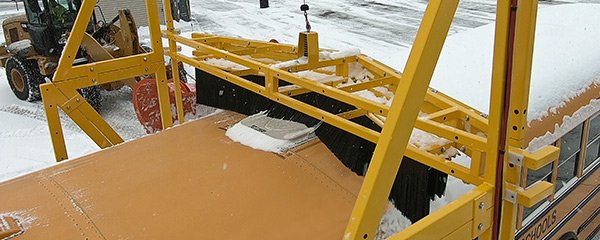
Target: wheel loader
x=35, y=41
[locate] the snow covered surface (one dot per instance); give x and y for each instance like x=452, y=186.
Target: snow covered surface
x=565, y=61
x=275, y=135
x=569, y=123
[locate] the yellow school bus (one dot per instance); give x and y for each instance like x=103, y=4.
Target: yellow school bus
x=573, y=210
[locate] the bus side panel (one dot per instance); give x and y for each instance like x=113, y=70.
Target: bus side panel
x=576, y=211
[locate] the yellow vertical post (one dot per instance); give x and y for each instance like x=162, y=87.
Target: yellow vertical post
x=174, y=62
x=513, y=49
x=308, y=46
x=410, y=94
x=56, y=133
x=157, y=57
x=522, y=61
x=522, y=58
x=496, y=113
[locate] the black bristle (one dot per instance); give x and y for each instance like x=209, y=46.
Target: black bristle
x=415, y=184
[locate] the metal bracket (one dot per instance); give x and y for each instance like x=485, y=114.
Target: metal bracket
x=510, y=196
x=515, y=158
x=72, y=104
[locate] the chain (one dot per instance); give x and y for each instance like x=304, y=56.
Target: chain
x=304, y=8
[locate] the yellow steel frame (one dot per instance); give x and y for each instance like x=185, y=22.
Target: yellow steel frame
x=470, y=216
x=62, y=92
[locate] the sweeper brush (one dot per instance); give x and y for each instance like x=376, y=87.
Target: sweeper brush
x=416, y=184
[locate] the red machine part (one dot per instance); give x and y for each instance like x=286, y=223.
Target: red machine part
x=145, y=103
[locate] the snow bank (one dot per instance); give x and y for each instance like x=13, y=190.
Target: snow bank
x=565, y=60
x=26, y=145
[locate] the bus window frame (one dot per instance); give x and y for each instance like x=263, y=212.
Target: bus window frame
x=580, y=170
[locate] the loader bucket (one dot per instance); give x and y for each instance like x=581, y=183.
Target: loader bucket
x=145, y=102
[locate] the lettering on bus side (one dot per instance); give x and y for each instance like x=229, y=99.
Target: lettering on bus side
x=541, y=227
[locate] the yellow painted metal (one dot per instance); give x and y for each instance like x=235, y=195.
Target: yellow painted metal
x=62, y=93
x=534, y=193
x=522, y=58
x=409, y=96
x=538, y=159
x=496, y=110
x=317, y=87
x=469, y=210
x=526, y=15
x=308, y=46
x=174, y=64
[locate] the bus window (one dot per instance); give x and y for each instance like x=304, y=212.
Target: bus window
x=570, y=147
x=592, y=151
x=541, y=174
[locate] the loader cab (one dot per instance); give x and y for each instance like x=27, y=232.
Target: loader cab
x=48, y=20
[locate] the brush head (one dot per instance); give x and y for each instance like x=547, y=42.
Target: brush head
x=415, y=184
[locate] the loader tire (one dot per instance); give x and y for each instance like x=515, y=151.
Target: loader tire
x=92, y=96
x=24, y=78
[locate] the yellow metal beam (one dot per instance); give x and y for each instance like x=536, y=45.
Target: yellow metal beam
x=62, y=93
x=174, y=63
x=409, y=96
x=464, y=218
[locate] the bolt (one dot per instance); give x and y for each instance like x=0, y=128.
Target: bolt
x=468, y=118
x=146, y=69
x=480, y=227
x=78, y=100
x=145, y=59
x=68, y=107
x=481, y=205
x=91, y=69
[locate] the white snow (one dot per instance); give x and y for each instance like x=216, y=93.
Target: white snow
x=455, y=187
x=255, y=139
x=30, y=146
x=564, y=63
x=18, y=46
x=569, y=122
x=426, y=141
x=392, y=222
x=222, y=63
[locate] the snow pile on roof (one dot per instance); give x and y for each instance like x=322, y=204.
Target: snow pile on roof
x=568, y=124
x=565, y=63
x=269, y=134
